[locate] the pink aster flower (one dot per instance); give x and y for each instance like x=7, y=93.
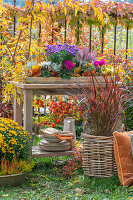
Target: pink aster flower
x=68, y=64
x=101, y=62
x=96, y=63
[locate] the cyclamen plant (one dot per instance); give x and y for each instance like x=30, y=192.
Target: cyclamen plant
x=61, y=57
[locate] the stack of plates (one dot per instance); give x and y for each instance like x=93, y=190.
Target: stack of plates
x=63, y=145
x=51, y=143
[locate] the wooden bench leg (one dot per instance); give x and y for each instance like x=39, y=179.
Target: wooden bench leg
x=28, y=111
x=18, y=115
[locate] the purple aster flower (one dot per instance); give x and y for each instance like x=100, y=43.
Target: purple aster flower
x=42, y=53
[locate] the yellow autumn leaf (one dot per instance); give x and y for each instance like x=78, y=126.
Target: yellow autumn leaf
x=75, y=12
x=85, y=7
x=48, y=6
x=65, y=11
x=78, y=195
x=53, y=9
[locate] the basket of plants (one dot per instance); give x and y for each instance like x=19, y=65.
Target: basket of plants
x=98, y=156
x=103, y=109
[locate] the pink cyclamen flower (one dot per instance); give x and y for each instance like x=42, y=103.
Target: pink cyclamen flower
x=96, y=63
x=68, y=64
x=101, y=62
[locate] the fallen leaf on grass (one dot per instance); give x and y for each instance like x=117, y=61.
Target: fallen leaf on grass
x=25, y=192
x=43, y=185
x=78, y=195
x=76, y=181
x=106, y=191
x=43, y=176
x=79, y=190
x=5, y=195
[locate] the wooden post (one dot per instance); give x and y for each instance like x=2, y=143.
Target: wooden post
x=114, y=39
x=90, y=38
x=52, y=34
x=65, y=30
x=40, y=29
x=127, y=42
x=78, y=31
x=18, y=115
x=28, y=111
x=14, y=18
x=52, y=27
x=1, y=41
x=102, y=45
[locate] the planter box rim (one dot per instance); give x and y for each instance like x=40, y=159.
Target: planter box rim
x=13, y=175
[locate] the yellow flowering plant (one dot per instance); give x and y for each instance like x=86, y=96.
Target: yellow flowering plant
x=14, y=141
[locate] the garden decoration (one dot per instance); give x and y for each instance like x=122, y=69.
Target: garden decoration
x=15, y=151
x=123, y=156
x=103, y=106
x=52, y=140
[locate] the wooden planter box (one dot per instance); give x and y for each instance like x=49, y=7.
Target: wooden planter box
x=58, y=80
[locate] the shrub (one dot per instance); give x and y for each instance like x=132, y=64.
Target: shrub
x=14, y=141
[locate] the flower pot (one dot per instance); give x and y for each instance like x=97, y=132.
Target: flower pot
x=13, y=180
x=98, y=156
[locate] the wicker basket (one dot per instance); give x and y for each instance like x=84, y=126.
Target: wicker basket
x=98, y=156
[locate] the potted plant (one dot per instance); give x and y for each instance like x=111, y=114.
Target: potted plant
x=67, y=61
x=103, y=104
x=60, y=59
x=15, y=150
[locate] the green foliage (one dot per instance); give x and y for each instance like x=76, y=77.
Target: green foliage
x=46, y=183
x=64, y=73
x=45, y=73
x=14, y=141
x=60, y=57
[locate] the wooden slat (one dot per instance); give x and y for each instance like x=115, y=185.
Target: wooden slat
x=37, y=153
x=42, y=80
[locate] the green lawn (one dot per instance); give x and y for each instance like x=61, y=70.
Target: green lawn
x=46, y=182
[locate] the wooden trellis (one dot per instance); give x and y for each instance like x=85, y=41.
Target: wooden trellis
x=78, y=31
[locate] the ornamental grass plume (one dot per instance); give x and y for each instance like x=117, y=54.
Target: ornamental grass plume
x=103, y=103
